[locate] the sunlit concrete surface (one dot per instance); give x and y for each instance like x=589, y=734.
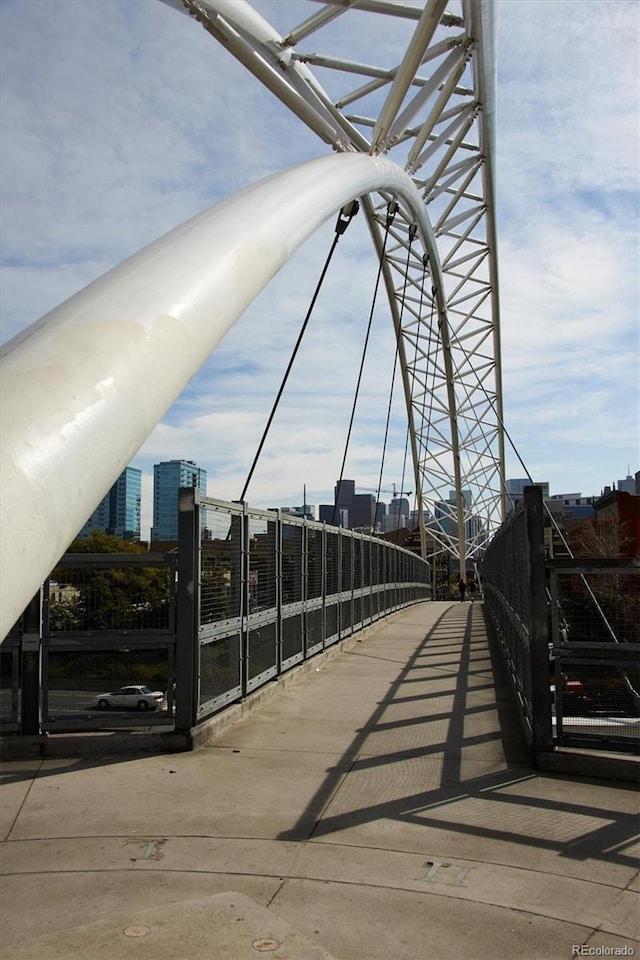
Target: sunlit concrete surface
x=382, y=808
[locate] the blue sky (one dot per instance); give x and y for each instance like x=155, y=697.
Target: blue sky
x=122, y=119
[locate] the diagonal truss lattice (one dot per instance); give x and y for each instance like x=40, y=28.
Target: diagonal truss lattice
x=423, y=95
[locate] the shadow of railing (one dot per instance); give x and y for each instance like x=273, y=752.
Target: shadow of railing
x=415, y=761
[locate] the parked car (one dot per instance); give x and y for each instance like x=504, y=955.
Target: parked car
x=584, y=716
x=133, y=697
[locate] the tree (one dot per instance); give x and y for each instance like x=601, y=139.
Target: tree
x=617, y=594
x=606, y=538
x=93, y=597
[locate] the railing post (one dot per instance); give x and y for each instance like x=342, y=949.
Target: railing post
x=188, y=607
x=305, y=584
x=31, y=650
x=542, y=733
x=325, y=579
x=277, y=562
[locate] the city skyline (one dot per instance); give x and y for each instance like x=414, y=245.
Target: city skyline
x=513, y=486
x=93, y=170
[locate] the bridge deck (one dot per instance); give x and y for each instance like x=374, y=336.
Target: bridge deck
x=383, y=808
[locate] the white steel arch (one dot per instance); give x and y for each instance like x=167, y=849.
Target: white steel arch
x=432, y=112
x=79, y=391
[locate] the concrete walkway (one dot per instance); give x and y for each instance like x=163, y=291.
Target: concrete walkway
x=381, y=808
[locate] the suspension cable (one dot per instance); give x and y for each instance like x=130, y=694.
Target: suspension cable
x=346, y=215
x=412, y=234
x=423, y=442
x=392, y=209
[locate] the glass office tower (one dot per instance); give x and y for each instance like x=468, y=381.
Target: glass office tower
x=168, y=478
x=119, y=512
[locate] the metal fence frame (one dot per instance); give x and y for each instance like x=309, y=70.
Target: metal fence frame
x=515, y=599
x=522, y=600
x=270, y=592
x=34, y=643
x=109, y=642
x=10, y=688
x=286, y=607
x=615, y=656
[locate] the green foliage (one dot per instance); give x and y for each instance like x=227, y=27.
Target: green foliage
x=117, y=598
x=99, y=542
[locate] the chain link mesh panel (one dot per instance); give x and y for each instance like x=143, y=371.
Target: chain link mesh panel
x=221, y=569
x=9, y=682
x=109, y=596
x=292, y=560
x=262, y=586
x=220, y=670
x=262, y=653
x=314, y=561
x=292, y=639
x=596, y=666
x=506, y=598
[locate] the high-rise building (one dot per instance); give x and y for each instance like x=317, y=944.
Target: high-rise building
x=628, y=485
x=381, y=513
x=307, y=510
x=119, y=512
x=394, y=521
x=359, y=510
x=414, y=518
x=446, y=512
x=515, y=488
x=336, y=516
x=399, y=505
x=168, y=478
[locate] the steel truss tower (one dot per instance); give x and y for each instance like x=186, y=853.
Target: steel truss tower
x=432, y=112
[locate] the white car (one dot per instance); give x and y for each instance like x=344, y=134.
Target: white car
x=133, y=697
x=581, y=717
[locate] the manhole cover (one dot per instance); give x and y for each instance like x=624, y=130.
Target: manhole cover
x=265, y=943
x=136, y=930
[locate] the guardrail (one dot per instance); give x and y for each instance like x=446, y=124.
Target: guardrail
x=515, y=597
x=244, y=599
x=570, y=635
x=595, y=647
x=108, y=625
x=266, y=590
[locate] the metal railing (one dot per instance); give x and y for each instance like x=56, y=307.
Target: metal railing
x=108, y=623
x=10, y=681
x=595, y=635
x=570, y=634
x=515, y=599
x=200, y=628
x=269, y=591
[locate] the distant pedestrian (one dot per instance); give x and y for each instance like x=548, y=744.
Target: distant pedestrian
x=462, y=587
x=471, y=587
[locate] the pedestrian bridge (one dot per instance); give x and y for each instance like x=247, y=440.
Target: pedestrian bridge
x=236, y=614
x=411, y=140
x=391, y=800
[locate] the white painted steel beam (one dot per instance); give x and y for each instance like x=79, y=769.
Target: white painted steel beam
x=84, y=386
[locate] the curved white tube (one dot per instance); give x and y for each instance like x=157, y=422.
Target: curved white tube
x=82, y=388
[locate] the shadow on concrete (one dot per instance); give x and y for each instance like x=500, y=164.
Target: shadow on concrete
x=512, y=802
x=20, y=769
